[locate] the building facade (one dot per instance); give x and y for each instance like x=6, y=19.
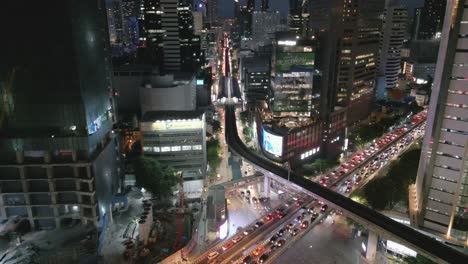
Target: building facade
x=349, y=33
x=169, y=93
x=58, y=157
x=441, y=184
x=391, y=42
x=264, y=25
x=176, y=139
x=432, y=19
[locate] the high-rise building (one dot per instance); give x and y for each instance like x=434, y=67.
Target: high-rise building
x=250, y=5
x=169, y=36
x=442, y=180
x=116, y=22
x=391, y=42
x=212, y=11
x=57, y=148
x=265, y=5
x=350, y=44
x=416, y=23
x=131, y=12
x=171, y=43
x=264, y=25
x=131, y=8
x=191, y=57
x=197, y=21
x=151, y=32
x=255, y=77
x=236, y=8
x=298, y=17
x=245, y=24
x=432, y=17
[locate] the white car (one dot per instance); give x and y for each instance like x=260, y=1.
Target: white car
x=237, y=238
x=213, y=255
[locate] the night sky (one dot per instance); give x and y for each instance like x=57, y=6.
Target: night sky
x=226, y=7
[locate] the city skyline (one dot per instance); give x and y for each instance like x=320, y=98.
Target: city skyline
x=170, y=131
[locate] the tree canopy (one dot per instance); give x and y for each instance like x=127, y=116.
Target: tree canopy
x=154, y=177
x=213, y=155
x=384, y=193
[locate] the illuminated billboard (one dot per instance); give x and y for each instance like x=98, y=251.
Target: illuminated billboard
x=176, y=125
x=286, y=60
x=272, y=143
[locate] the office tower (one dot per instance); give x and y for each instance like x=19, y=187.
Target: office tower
x=264, y=25
x=416, y=23
x=131, y=8
x=292, y=67
x=442, y=180
x=290, y=129
x=391, y=42
x=191, y=57
x=250, y=5
x=212, y=11
x=197, y=21
x=350, y=43
x=171, y=43
x=245, y=25
x=432, y=17
x=255, y=76
x=151, y=32
x=294, y=18
x=131, y=12
x=265, y=5
x=57, y=149
x=116, y=23
x=236, y=9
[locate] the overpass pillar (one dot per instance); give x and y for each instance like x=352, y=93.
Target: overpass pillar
x=266, y=186
x=371, y=247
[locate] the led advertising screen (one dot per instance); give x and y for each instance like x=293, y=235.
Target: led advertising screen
x=272, y=143
x=286, y=60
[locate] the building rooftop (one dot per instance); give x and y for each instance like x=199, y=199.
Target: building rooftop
x=165, y=115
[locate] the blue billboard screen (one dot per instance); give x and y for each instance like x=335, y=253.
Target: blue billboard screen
x=272, y=143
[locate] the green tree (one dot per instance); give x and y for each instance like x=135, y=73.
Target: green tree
x=384, y=193
x=213, y=155
x=319, y=165
x=155, y=178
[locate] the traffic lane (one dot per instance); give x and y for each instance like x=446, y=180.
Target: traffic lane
x=377, y=153
x=314, y=219
x=253, y=238
x=264, y=241
x=378, y=164
x=325, y=243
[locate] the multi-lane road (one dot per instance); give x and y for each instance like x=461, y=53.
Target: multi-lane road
x=344, y=179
